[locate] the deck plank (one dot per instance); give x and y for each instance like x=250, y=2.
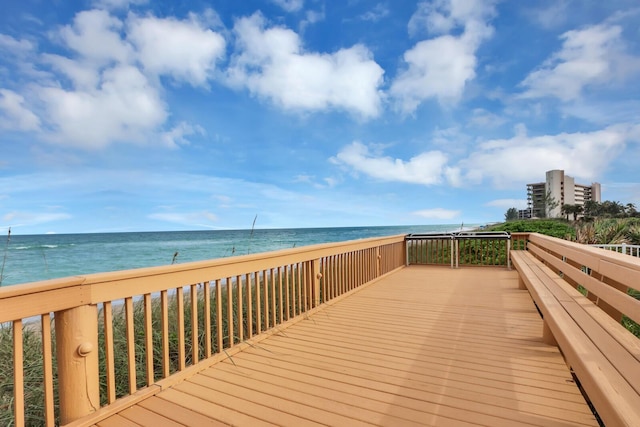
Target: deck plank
x=424, y=346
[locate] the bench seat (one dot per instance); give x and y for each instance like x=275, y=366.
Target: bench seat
x=607, y=367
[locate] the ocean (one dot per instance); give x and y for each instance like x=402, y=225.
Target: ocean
x=30, y=258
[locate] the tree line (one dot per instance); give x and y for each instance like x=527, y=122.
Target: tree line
x=590, y=209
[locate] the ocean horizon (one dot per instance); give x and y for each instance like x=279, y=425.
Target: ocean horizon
x=31, y=258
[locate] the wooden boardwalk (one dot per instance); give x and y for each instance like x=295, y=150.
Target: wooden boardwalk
x=422, y=346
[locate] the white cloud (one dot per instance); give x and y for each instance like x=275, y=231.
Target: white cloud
x=437, y=68
x=13, y=113
x=312, y=17
x=125, y=107
x=104, y=87
x=486, y=119
x=442, y=66
x=96, y=36
x=272, y=63
x=443, y=16
x=426, y=169
x=15, y=46
x=517, y=160
x=437, y=213
x=379, y=11
x=185, y=50
x=177, y=135
x=588, y=57
x=289, y=5
x=505, y=163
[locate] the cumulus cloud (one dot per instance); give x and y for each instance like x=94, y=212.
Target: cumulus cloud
x=95, y=36
x=504, y=163
x=511, y=162
x=185, y=50
x=272, y=64
x=125, y=107
x=440, y=67
x=428, y=168
x=104, y=84
x=437, y=213
x=13, y=113
x=588, y=57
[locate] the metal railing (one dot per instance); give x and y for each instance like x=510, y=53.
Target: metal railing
x=633, y=250
x=480, y=248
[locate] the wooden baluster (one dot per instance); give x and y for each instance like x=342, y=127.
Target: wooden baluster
x=181, y=333
x=164, y=304
x=47, y=370
x=265, y=300
x=148, y=339
x=230, y=333
x=195, y=345
x=280, y=301
x=219, y=330
x=206, y=297
x=18, y=373
x=258, y=308
x=109, y=355
x=249, y=305
x=273, y=296
x=131, y=344
x=240, y=312
x=287, y=292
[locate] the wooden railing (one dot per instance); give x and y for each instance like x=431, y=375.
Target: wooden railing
x=611, y=280
x=103, y=341
x=459, y=249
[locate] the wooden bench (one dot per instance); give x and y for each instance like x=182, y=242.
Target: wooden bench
x=604, y=356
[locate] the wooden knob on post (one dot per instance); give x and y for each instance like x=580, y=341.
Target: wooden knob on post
x=84, y=349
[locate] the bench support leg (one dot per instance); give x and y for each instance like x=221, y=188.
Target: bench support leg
x=547, y=335
x=521, y=284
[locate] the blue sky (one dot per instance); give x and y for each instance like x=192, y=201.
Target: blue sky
x=127, y=115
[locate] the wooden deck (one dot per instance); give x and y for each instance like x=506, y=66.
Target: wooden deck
x=422, y=346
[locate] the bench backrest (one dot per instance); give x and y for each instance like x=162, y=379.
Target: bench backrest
x=611, y=280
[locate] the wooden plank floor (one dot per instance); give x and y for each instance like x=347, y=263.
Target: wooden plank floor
x=423, y=346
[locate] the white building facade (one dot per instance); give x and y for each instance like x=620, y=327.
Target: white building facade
x=559, y=189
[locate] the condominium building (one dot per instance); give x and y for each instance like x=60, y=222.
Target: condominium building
x=560, y=189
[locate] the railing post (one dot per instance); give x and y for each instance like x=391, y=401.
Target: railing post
x=457, y=254
x=453, y=243
x=508, y=254
x=77, y=355
x=378, y=261
x=406, y=251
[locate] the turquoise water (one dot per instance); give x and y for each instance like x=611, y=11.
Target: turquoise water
x=41, y=257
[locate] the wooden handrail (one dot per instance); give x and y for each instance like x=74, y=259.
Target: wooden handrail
x=604, y=276
x=220, y=301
